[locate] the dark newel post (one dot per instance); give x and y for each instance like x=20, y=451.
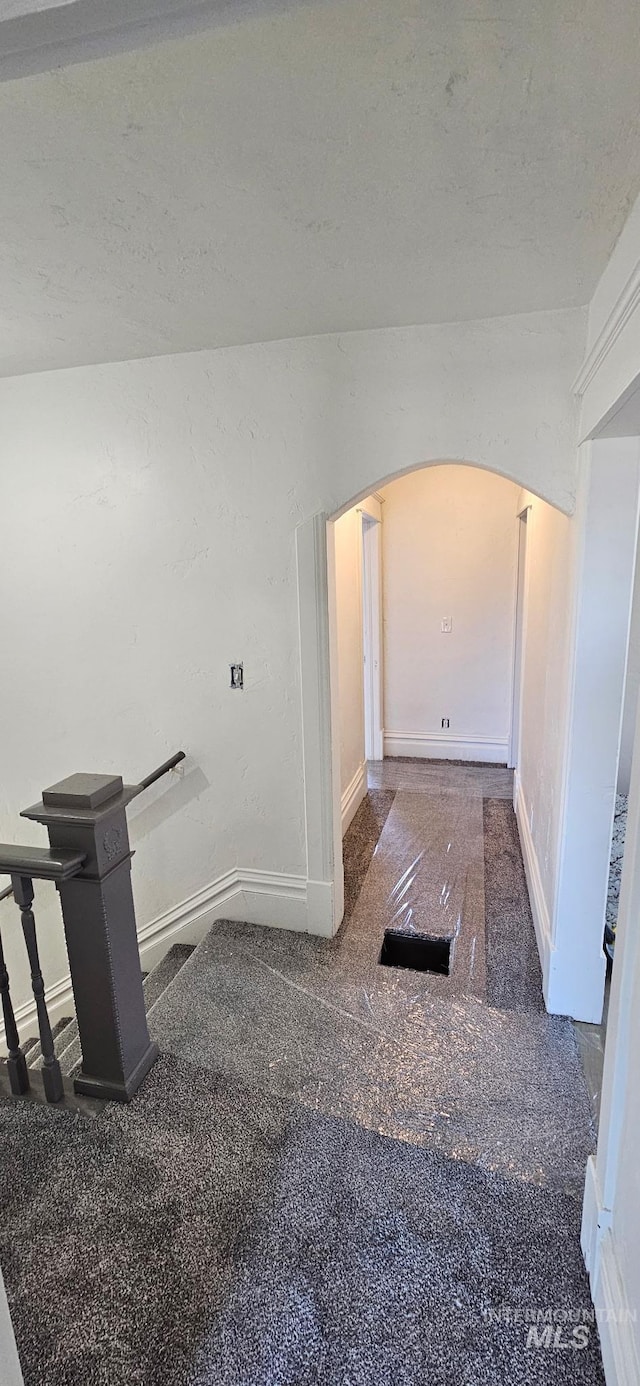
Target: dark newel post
x=87, y=814
x=51, y=1075
x=16, y=1062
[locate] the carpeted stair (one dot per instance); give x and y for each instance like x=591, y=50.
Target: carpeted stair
x=32, y=1048
x=65, y=1033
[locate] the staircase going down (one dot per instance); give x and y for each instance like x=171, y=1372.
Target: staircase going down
x=65, y=1033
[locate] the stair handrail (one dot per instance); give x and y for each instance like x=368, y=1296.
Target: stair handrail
x=38, y=863
x=163, y=769
x=89, y=861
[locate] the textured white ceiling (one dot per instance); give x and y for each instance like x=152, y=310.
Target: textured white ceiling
x=330, y=167
x=14, y=9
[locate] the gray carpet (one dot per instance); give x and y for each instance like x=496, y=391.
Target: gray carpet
x=514, y=980
x=322, y=1024
x=460, y=776
x=213, y=1234
x=360, y=842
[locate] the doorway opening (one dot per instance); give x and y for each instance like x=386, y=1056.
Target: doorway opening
x=561, y=771
x=429, y=584
x=430, y=578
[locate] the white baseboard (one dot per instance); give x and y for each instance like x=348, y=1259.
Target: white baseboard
x=591, y=1230
x=271, y=898
x=59, y=1002
x=617, y=1319
x=353, y=795
x=446, y=746
x=324, y=914
x=539, y=910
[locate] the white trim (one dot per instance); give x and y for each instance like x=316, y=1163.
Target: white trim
x=372, y=508
x=620, y=1055
x=353, y=795
x=623, y=308
x=446, y=746
x=271, y=898
x=539, y=909
x=616, y=1321
x=372, y=635
x=322, y=909
x=615, y=1316
x=606, y=526
x=592, y=1218
x=59, y=1002
x=520, y=609
x=315, y=554
x=255, y=897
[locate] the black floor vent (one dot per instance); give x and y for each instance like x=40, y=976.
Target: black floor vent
x=416, y=951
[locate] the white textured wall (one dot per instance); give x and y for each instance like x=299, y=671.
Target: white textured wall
x=449, y=549
x=149, y=513
x=348, y=569
x=550, y=541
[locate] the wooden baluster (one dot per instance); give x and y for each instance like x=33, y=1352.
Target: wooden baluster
x=16, y=1062
x=51, y=1074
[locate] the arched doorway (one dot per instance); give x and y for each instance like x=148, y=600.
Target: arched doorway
x=323, y=816
x=556, y=809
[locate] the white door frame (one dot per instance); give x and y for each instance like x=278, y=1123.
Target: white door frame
x=372, y=635
x=519, y=638
x=606, y=529
x=315, y=556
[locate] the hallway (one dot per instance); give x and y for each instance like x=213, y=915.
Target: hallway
x=343, y=1172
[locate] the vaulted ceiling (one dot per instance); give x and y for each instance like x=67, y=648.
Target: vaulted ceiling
x=316, y=167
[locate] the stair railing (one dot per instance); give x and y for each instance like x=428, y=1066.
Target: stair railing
x=89, y=860
x=16, y=1063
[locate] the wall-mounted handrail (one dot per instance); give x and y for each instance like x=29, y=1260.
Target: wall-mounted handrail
x=6, y=893
x=161, y=770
